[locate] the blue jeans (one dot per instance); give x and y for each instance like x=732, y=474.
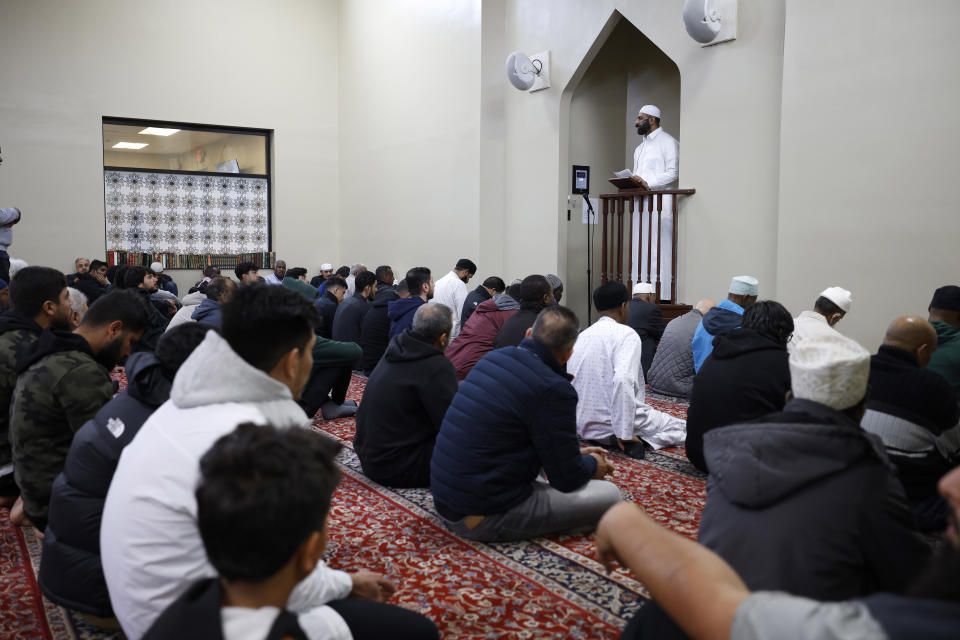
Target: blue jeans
x=545, y=512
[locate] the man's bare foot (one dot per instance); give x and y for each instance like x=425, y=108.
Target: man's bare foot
x=17, y=516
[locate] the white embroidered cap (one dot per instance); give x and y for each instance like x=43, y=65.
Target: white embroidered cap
x=744, y=286
x=650, y=110
x=326, y=266
x=838, y=296
x=643, y=287
x=829, y=368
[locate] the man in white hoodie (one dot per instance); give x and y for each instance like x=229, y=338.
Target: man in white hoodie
x=151, y=546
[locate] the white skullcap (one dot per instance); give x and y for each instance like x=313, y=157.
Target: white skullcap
x=156, y=267
x=326, y=266
x=838, y=296
x=744, y=286
x=830, y=368
x=643, y=287
x=650, y=110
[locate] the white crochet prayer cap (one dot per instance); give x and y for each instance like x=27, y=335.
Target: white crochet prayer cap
x=650, y=110
x=744, y=286
x=829, y=368
x=643, y=287
x=838, y=296
x=156, y=267
x=326, y=266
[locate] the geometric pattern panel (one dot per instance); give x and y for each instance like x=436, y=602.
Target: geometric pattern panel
x=184, y=213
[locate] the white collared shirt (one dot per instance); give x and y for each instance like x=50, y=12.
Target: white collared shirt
x=451, y=291
x=609, y=382
x=656, y=159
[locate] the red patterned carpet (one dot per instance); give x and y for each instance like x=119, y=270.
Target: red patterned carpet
x=544, y=588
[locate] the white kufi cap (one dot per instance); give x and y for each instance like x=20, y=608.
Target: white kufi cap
x=326, y=266
x=643, y=287
x=650, y=110
x=744, y=286
x=831, y=369
x=838, y=296
x=156, y=267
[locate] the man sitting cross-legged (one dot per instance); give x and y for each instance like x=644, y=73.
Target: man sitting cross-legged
x=252, y=371
x=405, y=400
x=609, y=380
x=70, y=573
x=514, y=416
x=64, y=379
x=262, y=504
x=671, y=371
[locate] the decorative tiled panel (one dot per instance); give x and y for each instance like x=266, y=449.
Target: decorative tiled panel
x=185, y=214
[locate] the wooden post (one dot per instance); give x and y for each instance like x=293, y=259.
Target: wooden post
x=649, y=207
x=630, y=256
x=619, y=239
x=659, y=244
x=673, y=272
x=603, y=246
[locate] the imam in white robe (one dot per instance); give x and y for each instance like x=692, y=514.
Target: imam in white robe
x=656, y=160
x=609, y=381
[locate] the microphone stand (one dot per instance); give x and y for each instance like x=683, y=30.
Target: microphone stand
x=590, y=216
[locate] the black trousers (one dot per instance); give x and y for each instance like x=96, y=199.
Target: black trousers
x=5, y=266
x=374, y=621
x=325, y=383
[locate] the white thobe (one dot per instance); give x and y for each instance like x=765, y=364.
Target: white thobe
x=609, y=381
x=656, y=160
x=809, y=324
x=451, y=291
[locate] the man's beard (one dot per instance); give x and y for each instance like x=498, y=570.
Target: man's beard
x=60, y=324
x=465, y=280
x=110, y=355
x=643, y=129
x=938, y=581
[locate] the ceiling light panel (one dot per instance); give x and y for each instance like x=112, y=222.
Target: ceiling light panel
x=130, y=145
x=158, y=131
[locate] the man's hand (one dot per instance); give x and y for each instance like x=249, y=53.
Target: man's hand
x=99, y=277
x=604, y=467
x=641, y=182
x=368, y=585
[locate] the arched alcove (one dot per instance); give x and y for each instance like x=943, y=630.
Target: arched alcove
x=622, y=71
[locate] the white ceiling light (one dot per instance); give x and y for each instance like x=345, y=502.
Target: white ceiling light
x=130, y=145
x=158, y=131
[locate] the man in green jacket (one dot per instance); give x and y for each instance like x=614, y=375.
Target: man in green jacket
x=945, y=318
x=39, y=301
x=63, y=380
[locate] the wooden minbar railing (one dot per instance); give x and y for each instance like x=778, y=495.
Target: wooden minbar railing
x=613, y=206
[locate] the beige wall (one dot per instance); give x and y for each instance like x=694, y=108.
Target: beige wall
x=410, y=133
x=870, y=134
x=67, y=64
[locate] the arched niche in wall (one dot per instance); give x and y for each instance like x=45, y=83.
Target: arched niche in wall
x=621, y=72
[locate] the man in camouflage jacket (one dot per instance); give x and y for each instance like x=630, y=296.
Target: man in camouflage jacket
x=63, y=380
x=39, y=300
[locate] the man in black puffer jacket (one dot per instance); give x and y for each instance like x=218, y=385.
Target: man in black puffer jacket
x=70, y=573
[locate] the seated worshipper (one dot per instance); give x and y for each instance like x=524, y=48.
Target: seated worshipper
x=164, y=282
x=80, y=265
x=326, y=270
x=296, y=280
x=724, y=317
x=70, y=573
x=209, y=273
x=829, y=309
x=945, y=317
x=384, y=275
x=348, y=318
x=803, y=500
x=609, y=381
x=708, y=599
x=219, y=286
x=405, y=400
x=341, y=273
x=263, y=537
x=489, y=288
x=400, y=312
x=247, y=273
x=39, y=300
x=4, y=296
x=507, y=465
x=476, y=339
x=451, y=290
x=144, y=283
x=351, y=279
x=93, y=283
x=915, y=413
x=375, y=332
x=251, y=371
x=9, y=216
x=63, y=380
x=536, y=294
x=278, y=274
x=78, y=307
x=208, y=312
x=647, y=320
x=671, y=371
x=557, y=285
x=334, y=290
x=746, y=377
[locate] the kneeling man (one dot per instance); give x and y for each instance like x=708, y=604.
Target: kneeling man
x=514, y=415
x=405, y=400
x=608, y=377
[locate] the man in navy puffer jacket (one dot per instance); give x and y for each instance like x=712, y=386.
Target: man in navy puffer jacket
x=70, y=572
x=513, y=416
